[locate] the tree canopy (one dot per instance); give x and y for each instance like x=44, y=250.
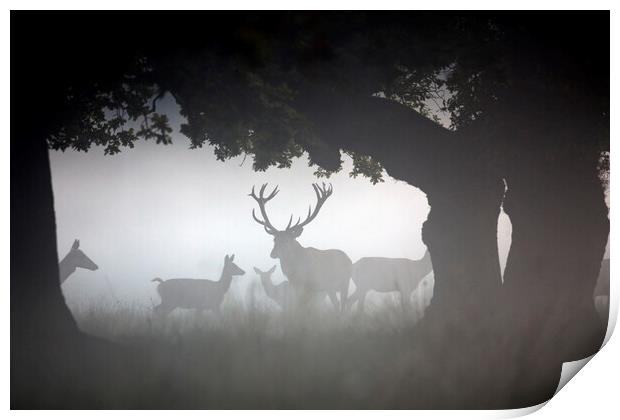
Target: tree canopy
x=239, y=78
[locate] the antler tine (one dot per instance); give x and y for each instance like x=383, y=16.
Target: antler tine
x=291, y=221
x=317, y=191
x=322, y=194
x=256, y=218
x=273, y=193
x=262, y=200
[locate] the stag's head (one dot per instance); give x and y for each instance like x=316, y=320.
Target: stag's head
x=286, y=240
x=79, y=259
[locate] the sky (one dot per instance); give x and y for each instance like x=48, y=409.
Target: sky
x=169, y=211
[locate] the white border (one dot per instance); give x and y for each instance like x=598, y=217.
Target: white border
x=592, y=394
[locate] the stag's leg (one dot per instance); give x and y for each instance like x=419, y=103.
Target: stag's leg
x=353, y=298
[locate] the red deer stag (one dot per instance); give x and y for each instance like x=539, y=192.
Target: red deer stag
x=309, y=270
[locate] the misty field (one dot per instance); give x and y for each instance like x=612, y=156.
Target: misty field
x=254, y=355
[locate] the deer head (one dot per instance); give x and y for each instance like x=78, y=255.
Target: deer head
x=265, y=276
x=78, y=259
x=286, y=240
x=230, y=268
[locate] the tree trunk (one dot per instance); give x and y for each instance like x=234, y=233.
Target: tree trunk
x=40, y=320
x=460, y=327
x=465, y=194
x=560, y=229
x=53, y=365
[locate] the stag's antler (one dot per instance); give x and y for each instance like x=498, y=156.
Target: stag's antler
x=322, y=194
x=262, y=200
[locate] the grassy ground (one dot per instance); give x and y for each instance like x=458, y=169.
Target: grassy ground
x=256, y=356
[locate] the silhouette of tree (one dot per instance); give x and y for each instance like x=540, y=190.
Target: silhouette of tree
x=528, y=101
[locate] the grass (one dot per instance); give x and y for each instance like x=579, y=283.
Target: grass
x=256, y=356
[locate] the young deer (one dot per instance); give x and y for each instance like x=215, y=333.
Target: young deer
x=388, y=275
x=309, y=270
x=279, y=293
x=73, y=260
x=196, y=293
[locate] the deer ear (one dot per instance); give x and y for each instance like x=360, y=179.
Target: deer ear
x=272, y=269
x=76, y=244
x=226, y=258
x=232, y=257
x=256, y=270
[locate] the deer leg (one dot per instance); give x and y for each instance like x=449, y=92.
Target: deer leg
x=334, y=299
x=360, y=304
x=344, y=292
x=162, y=310
x=353, y=298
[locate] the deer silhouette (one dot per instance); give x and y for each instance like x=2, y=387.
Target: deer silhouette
x=196, y=294
x=279, y=293
x=309, y=270
x=73, y=260
x=388, y=275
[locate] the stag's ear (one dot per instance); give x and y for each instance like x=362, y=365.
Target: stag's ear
x=272, y=269
x=257, y=271
x=232, y=257
x=76, y=245
x=226, y=258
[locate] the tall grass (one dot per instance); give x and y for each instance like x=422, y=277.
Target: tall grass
x=254, y=355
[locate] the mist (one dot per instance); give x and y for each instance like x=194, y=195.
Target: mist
x=168, y=211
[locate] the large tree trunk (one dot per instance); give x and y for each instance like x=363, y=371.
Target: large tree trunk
x=40, y=321
x=465, y=195
x=460, y=326
x=560, y=229
x=53, y=365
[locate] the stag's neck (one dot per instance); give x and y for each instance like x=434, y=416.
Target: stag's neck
x=295, y=252
x=65, y=268
x=290, y=260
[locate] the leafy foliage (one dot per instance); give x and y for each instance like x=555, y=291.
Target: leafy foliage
x=243, y=102
x=238, y=86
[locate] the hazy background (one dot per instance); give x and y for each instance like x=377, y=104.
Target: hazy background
x=168, y=211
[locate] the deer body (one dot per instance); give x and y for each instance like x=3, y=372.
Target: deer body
x=73, y=260
x=316, y=270
x=196, y=294
x=310, y=271
x=389, y=275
